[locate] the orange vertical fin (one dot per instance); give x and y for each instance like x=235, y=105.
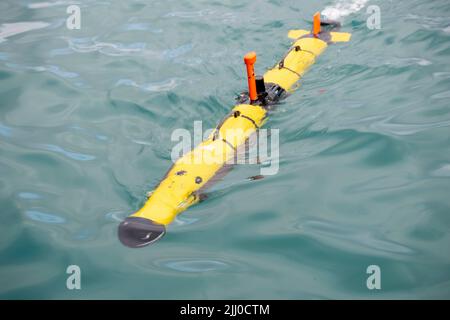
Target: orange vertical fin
x=250, y=59
x=316, y=24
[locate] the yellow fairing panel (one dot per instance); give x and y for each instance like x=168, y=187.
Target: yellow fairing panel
x=340, y=36
x=178, y=190
x=295, y=34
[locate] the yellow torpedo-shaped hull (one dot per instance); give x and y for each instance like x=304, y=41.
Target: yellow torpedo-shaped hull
x=180, y=187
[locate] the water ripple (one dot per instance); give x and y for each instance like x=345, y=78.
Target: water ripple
x=165, y=85
x=404, y=129
x=443, y=171
x=193, y=265
x=352, y=238
x=5, y=131
x=190, y=14
x=45, y=217
x=69, y=154
x=29, y=195
x=11, y=29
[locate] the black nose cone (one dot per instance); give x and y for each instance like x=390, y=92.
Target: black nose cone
x=135, y=232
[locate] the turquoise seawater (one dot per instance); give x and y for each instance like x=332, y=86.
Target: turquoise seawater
x=86, y=118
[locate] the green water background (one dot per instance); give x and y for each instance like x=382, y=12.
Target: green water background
x=85, y=123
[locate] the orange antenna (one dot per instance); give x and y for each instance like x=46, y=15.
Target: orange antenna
x=316, y=24
x=250, y=59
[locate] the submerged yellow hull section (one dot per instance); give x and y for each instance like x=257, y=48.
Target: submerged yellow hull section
x=179, y=188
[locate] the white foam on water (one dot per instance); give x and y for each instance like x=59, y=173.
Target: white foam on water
x=343, y=8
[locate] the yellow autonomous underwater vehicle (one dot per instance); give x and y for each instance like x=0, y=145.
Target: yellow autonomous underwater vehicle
x=189, y=176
